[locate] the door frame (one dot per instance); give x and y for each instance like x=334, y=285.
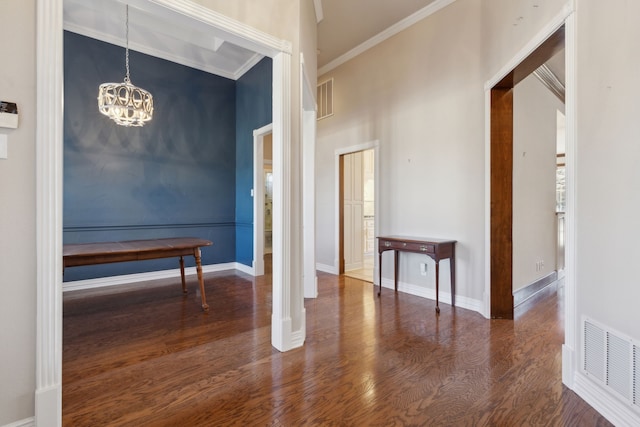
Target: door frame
x=339, y=202
x=500, y=179
x=49, y=172
x=258, y=197
x=566, y=18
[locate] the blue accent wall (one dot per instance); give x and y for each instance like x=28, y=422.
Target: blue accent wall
x=176, y=176
x=253, y=110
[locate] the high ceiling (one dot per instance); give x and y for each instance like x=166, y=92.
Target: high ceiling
x=183, y=43
x=347, y=27
x=347, y=24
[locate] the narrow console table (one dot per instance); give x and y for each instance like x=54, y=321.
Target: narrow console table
x=436, y=249
x=78, y=254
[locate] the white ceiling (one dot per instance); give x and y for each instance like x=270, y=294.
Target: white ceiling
x=153, y=35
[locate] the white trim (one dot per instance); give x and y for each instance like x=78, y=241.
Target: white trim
x=282, y=334
x=308, y=143
x=429, y=293
x=486, y=300
x=613, y=409
x=371, y=145
x=571, y=336
x=48, y=393
x=247, y=66
x=127, y=279
x=325, y=268
x=386, y=34
x=542, y=35
x=218, y=25
x=317, y=6
x=27, y=422
x=258, y=197
x=49, y=144
x=164, y=54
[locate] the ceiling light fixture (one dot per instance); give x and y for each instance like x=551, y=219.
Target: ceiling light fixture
x=124, y=103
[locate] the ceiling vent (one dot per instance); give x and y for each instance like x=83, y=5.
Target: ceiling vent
x=325, y=99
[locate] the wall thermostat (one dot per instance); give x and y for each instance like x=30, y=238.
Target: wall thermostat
x=8, y=115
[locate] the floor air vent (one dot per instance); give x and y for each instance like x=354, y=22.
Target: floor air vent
x=612, y=359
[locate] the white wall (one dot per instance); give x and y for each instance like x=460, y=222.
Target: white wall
x=420, y=93
x=608, y=164
x=17, y=214
x=534, y=181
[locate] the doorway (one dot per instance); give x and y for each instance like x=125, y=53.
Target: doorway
x=357, y=200
x=262, y=197
x=501, y=175
x=49, y=144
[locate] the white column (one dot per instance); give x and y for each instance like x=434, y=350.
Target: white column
x=48, y=397
x=281, y=325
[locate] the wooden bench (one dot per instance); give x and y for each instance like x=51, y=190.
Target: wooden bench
x=78, y=254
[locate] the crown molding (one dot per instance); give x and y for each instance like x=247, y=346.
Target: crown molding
x=550, y=81
x=163, y=54
x=386, y=34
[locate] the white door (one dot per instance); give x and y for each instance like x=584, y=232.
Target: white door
x=353, y=211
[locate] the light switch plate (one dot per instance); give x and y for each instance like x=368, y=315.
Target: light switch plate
x=3, y=147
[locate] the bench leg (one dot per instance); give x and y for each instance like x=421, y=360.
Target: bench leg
x=196, y=255
x=184, y=283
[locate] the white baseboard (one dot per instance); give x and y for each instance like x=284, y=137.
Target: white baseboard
x=615, y=410
x=325, y=268
x=27, y=422
x=154, y=275
x=241, y=267
x=445, y=297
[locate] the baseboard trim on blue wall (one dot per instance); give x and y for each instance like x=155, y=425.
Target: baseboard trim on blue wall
x=126, y=279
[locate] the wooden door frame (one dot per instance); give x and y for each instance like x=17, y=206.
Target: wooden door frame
x=501, y=174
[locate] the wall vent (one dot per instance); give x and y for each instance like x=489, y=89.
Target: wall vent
x=612, y=360
x=325, y=99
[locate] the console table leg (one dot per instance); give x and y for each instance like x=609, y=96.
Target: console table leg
x=184, y=283
x=395, y=270
x=437, y=286
x=196, y=255
x=452, y=264
x=379, y=273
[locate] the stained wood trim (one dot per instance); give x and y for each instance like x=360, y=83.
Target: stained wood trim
x=553, y=45
x=501, y=174
x=501, y=203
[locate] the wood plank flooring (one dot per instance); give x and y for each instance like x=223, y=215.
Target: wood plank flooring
x=147, y=356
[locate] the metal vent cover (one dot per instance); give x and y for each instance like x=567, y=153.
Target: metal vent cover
x=325, y=99
x=612, y=359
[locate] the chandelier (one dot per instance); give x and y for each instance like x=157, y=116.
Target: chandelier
x=124, y=103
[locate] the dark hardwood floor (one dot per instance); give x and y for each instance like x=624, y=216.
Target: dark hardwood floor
x=147, y=356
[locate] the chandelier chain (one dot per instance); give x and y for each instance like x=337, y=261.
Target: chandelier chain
x=127, y=77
